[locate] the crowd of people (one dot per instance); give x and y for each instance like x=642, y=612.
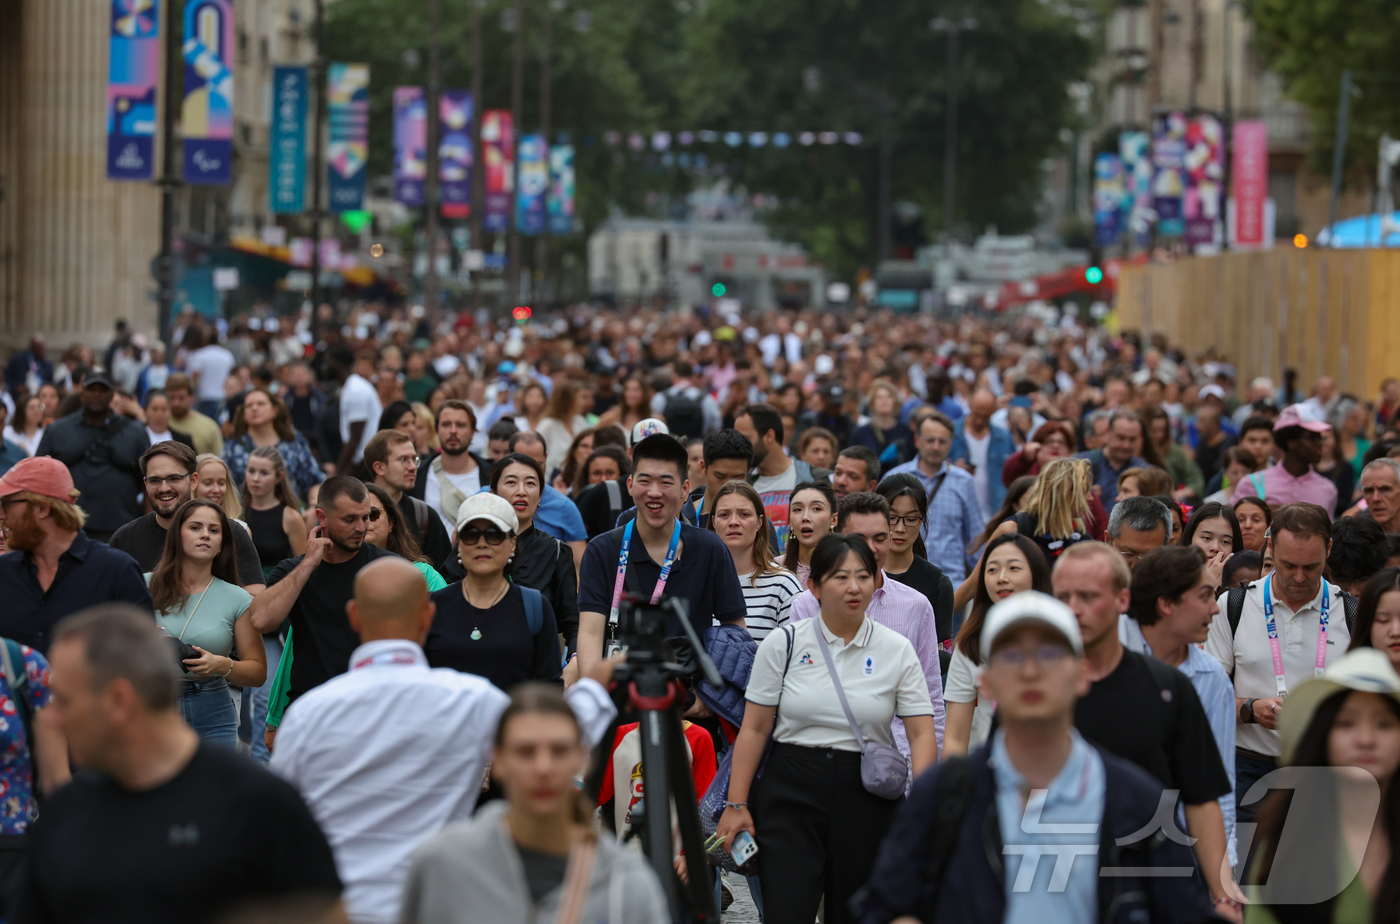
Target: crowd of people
x=315, y=618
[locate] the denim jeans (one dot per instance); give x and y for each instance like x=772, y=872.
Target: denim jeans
x=272, y=644
x=206, y=706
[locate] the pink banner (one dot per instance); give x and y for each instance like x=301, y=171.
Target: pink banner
x=1251, y=182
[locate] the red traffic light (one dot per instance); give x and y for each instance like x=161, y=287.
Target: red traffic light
x=521, y=313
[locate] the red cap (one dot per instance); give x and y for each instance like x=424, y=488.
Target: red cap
x=42, y=475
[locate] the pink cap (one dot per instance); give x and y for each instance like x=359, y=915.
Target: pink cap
x=1298, y=415
x=42, y=475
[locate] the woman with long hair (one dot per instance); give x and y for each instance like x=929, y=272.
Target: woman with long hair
x=263, y=420
x=216, y=485
x=27, y=428
x=817, y=447
x=1378, y=616
x=907, y=561
x=1320, y=860
x=891, y=440
x=1349, y=418
x=817, y=826
x=811, y=516
x=606, y=463
x=1187, y=481
x=736, y=516
x=1254, y=516
x=1214, y=529
x=271, y=509
x=199, y=604
x=52, y=399
x=425, y=438
x=539, y=750
x=530, y=402
x=485, y=624
x=579, y=450
x=563, y=420
x=1012, y=563
x=633, y=406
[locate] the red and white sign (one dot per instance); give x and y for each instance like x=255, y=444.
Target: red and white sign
x=1251, y=182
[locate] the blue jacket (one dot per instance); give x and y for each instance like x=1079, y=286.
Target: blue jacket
x=9, y=455
x=732, y=649
x=1001, y=448
x=899, y=884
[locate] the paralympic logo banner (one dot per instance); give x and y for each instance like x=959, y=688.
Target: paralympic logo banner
x=286, y=156
x=530, y=216
x=559, y=203
x=132, y=69
x=410, y=144
x=455, y=152
x=207, y=116
x=498, y=156
x=1169, y=178
x=347, y=94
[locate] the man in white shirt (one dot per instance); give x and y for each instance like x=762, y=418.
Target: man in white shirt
x=209, y=367
x=388, y=753
x=1311, y=630
x=359, y=403
x=450, y=478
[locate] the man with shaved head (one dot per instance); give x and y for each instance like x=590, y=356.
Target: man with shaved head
x=982, y=448
x=390, y=751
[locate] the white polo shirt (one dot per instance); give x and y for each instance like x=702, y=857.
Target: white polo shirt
x=879, y=672
x=1248, y=657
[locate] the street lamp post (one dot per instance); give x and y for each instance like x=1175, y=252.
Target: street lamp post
x=952, y=27
x=317, y=169
x=430, y=186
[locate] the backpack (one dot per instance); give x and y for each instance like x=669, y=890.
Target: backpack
x=420, y=516
x=614, y=501
x=949, y=806
x=1234, y=606
x=12, y=656
x=534, y=608
x=685, y=413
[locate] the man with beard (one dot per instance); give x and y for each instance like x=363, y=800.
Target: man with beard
x=53, y=568
x=168, y=470
x=313, y=589
x=102, y=451
x=444, y=481
x=393, y=460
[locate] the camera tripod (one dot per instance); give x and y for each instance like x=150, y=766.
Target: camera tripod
x=648, y=683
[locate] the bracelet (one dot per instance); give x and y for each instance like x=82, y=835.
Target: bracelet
x=730, y=805
x=230, y=668
x=1228, y=901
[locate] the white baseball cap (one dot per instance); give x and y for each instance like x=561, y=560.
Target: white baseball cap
x=1211, y=391
x=1031, y=606
x=649, y=427
x=492, y=508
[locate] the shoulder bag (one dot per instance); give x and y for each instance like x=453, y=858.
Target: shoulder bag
x=884, y=772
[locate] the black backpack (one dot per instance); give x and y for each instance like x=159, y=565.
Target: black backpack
x=685, y=413
x=1234, y=606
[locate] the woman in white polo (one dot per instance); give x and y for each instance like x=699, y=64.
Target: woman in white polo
x=817, y=827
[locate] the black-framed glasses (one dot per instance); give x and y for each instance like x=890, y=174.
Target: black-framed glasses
x=472, y=535
x=913, y=520
x=13, y=500
x=153, y=481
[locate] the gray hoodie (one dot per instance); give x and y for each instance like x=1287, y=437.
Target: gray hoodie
x=471, y=872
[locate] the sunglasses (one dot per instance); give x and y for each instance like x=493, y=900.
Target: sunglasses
x=472, y=536
x=375, y=513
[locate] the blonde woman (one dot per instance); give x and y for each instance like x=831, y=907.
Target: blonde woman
x=425, y=438
x=216, y=484
x=1059, y=510
x=736, y=516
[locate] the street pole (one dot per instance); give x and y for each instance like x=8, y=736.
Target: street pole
x=950, y=132
x=886, y=170
x=430, y=187
x=169, y=174
x=542, y=240
x=478, y=168
x=317, y=168
x=1228, y=128
x=1339, y=153
x=517, y=90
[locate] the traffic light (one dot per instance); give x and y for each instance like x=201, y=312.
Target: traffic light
x=718, y=290
x=1093, y=275
x=521, y=313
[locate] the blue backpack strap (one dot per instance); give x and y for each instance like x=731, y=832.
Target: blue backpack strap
x=534, y=608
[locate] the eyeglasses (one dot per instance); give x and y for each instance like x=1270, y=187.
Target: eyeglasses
x=913, y=521
x=472, y=536
x=172, y=480
x=13, y=500
x=1042, y=655
x=409, y=460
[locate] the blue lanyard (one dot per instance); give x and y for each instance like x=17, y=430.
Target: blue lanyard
x=622, y=568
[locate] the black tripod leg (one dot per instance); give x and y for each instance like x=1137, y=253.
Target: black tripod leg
x=656, y=790
x=701, y=886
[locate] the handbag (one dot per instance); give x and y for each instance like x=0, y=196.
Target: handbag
x=884, y=772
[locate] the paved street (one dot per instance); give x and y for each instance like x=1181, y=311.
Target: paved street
x=743, y=910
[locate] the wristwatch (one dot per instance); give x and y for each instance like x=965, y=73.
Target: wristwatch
x=1247, y=712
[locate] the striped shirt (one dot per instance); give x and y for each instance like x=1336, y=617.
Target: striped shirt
x=768, y=601
x=1217, y=695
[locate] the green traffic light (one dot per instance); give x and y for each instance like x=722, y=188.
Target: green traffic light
x=718, y=290
x=1093, y=275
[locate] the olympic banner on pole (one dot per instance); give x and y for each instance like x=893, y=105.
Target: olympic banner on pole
x=530, y=215
x=1136, y=150
x=347, y=95
x=498, y=157
x=1251, y=182
x=207, y=116
x=559, y=203
x=133, y=67
x=286, y=155
x=1108, y=198
x=410, y=144
x=455, y=152
x=1169, y=176
x=1205, y=173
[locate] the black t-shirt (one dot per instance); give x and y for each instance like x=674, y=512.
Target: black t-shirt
x=544, y=872
x=324, y=639
x=144, y=540
x=1148, y=713
x=704, y=575
x=223, y=833
x=494, y=643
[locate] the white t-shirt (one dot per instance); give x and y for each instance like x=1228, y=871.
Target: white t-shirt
x=155, y=437
x=977, y=455
x=213, y=363
x=961, y=687
x=359, y=402
x=767, y=601
x=468, y=483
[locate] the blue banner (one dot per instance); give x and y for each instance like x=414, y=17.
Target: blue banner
x=560, y=201
x=347, y=93
x=533, y=171
x=207, y=116
x=133, y=63
x=286, y=157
